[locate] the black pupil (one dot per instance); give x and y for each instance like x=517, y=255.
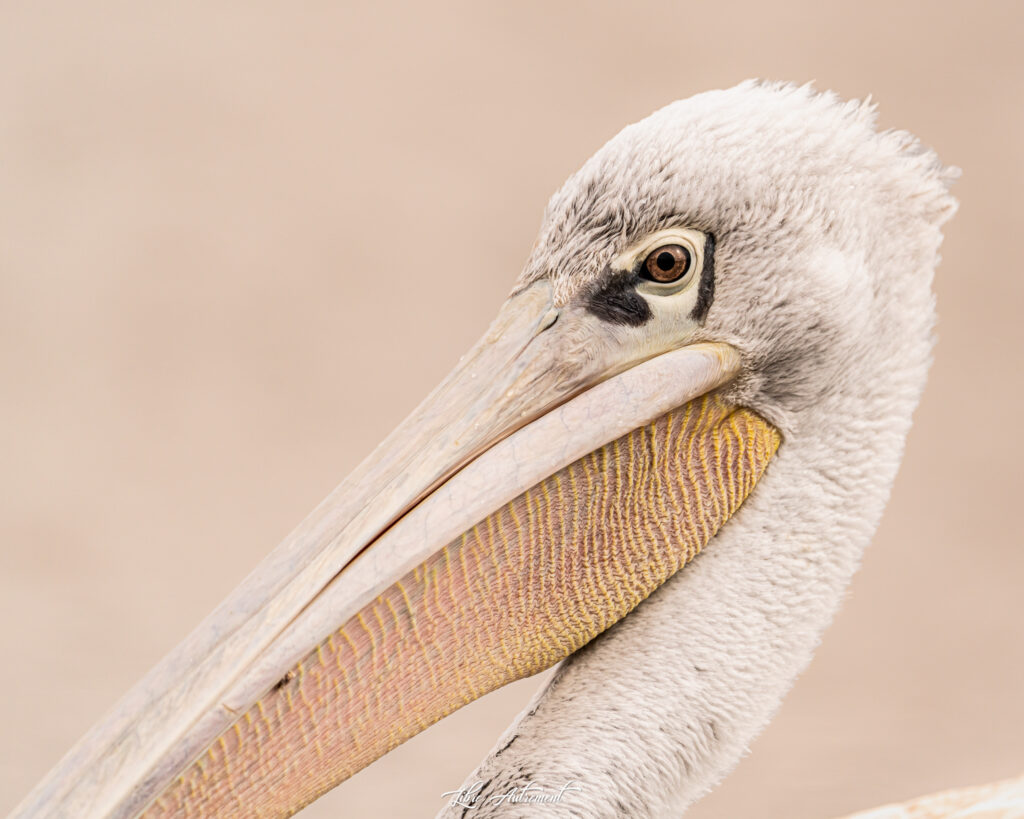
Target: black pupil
x=666, y=261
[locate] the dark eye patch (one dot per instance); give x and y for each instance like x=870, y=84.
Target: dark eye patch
x=706, y=288
x=617, y=301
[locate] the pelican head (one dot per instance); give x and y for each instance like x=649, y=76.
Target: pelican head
x=714, y=349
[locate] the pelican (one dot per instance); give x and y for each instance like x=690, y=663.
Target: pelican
x=658, y=467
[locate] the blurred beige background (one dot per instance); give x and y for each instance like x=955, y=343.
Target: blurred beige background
x=214, y=216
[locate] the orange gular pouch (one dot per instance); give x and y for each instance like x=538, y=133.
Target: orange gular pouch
x=517, y=593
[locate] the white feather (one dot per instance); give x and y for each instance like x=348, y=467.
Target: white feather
x=827, y=235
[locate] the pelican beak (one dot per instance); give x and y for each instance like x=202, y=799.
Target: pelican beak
x=550, y=483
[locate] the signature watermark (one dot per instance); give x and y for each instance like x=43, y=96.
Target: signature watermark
x=531, y=793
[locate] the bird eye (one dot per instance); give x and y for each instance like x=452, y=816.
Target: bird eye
x=666, y=264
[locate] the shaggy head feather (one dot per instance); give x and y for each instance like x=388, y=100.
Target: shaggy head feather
x=823, y=225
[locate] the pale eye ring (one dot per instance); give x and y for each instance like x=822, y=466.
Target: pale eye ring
x=667, y=264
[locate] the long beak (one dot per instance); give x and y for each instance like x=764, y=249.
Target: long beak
x=552, y=481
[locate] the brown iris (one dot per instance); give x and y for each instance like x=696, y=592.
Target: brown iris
x=667, y=264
